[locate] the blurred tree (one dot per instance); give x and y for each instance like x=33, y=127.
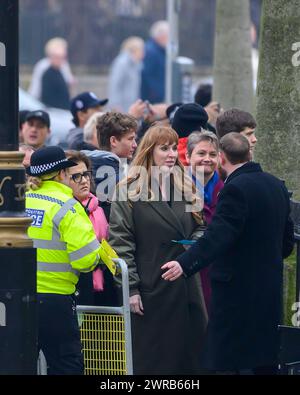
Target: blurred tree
x=232, y=71
x=278, y=92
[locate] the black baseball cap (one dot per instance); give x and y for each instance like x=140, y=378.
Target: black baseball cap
x=39, y=114
x=86, y=100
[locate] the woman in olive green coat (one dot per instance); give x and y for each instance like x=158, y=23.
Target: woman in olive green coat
x=168, y=318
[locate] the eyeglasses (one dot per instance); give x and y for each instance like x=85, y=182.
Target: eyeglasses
x=77, y=177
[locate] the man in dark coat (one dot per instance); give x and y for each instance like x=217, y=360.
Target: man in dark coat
x=246, y=242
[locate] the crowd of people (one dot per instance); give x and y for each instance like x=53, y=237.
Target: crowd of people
x=138, y=71
x=174, y=190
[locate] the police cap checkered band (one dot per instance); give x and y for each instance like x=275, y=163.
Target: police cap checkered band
x=46, y=167
x=48, y=159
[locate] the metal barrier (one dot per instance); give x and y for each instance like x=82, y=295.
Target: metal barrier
x=105, y=335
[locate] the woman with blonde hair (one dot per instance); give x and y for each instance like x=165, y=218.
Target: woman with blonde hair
x=155, y=208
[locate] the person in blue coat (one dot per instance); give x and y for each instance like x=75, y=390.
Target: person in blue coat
x=154, y=66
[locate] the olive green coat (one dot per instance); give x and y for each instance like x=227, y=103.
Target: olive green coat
x=168, y=338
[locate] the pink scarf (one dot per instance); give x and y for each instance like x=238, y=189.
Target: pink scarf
x=100, y=225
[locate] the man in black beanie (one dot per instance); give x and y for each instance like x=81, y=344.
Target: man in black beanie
x=187, y=119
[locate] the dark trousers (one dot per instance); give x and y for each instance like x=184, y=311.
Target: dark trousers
x=58, y=334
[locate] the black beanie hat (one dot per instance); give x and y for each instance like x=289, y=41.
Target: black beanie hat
x=188, y=118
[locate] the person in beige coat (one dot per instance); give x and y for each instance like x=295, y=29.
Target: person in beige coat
x=149, y=212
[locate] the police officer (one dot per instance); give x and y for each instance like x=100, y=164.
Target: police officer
x=66, y=245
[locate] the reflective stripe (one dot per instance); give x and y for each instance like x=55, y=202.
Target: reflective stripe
x=91, y=267
x=59, y=216
x=44, y=197
x=56, y=267
x=55, y=234
x=62, y=212
x=83, y=251
x=49, y=244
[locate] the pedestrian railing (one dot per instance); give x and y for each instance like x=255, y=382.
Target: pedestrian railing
x=106, y=334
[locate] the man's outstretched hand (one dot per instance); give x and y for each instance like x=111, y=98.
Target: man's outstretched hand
x=173, y=271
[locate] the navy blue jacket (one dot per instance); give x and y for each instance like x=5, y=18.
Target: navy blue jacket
x=153, y=73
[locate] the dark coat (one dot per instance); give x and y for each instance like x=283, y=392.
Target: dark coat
x=246, y=241
x=54, y=90
x=168, y=338
x=153, y=73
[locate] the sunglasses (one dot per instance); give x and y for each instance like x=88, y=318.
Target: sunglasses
x=77, y=177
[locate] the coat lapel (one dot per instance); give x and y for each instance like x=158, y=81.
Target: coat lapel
x=172, y=214
x=169, y=215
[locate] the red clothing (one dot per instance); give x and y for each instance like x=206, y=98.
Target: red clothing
x=182, y=143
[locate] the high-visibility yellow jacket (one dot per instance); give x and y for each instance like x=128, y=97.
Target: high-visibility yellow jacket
x=63, y=235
